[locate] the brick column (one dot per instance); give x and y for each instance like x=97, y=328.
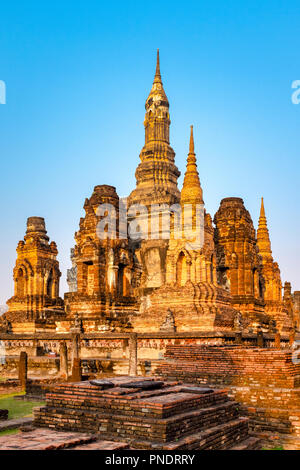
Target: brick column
x=133, y=354
x=23, y=367
x=291, y=339
x=76, y=371
x=63, y=359
x=238, y=337
x=35, y=347
x=75, y=347
x=277, y=341
x=260, y=339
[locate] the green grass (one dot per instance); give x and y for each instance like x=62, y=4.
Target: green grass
x=274, y=448
x=8, y=432
x=14, y=394
x=18, y=408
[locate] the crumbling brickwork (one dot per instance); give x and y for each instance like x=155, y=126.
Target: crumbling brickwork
x=266, y=382
x=165, y=416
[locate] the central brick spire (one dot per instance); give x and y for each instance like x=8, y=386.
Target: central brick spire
x=157, y=118
x=157, y=174
x=263, y=238
x=191, y=191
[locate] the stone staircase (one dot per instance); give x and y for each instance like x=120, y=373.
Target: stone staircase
x=148, y=414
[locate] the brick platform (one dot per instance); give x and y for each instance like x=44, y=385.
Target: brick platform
x=173, y=416
x=47, y=439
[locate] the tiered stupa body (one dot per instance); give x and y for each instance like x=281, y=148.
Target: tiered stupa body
x=238, y=262
x=272, y=288
x=107, y=270
x=36, y=302
x=156, y=186
x=190, y=292
x=296, y=308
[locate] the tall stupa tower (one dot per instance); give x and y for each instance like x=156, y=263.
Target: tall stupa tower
x=157, y=174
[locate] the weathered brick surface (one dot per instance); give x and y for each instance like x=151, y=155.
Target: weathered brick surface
x=175, y=415
x=44, y=439
x=101, y=445
x=232, y=365
x=37, y=388
x=264, y=381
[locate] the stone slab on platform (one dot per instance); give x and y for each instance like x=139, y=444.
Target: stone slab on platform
x=200, y=390
x=102, y=384
x=143, y=384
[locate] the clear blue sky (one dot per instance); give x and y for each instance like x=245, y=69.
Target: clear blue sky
x=77, y=76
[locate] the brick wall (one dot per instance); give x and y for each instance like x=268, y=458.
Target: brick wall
x=231, y=365
x=265, y=381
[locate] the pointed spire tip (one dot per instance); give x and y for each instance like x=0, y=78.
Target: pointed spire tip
x=157, y=71
x=262, y=208
x=192, y=147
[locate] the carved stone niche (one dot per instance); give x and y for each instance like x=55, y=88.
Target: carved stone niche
x=238, y=322
x=169, y=323
x=77, y=325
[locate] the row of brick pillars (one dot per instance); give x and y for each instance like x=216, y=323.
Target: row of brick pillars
x=76, y=367
x=260, y=341
x=133, y=356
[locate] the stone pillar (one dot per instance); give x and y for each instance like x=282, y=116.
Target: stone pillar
x=63, y=355
x=76, y=371
x=35, y=347
x=260, y=339
x=124, y=347
x=277, y=340
x=291, y=339
x=238, y=337
x=133, y=354
x=23, y=366
x=75, y=347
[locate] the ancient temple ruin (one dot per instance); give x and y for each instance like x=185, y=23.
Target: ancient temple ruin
x=120, y=284
x=162, y=289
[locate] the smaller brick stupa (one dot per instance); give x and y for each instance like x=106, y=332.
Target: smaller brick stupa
x=36, y=302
